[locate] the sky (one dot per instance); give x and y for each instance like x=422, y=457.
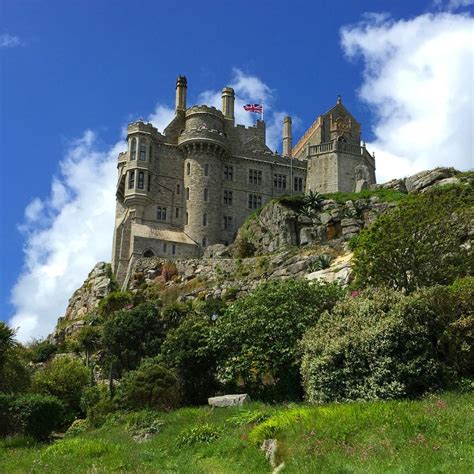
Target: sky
x=73, y=74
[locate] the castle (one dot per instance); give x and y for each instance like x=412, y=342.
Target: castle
x=194, y=184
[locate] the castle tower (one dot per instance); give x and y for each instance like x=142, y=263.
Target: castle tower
x=204, y=145
x=337, y=162
x=181, y=88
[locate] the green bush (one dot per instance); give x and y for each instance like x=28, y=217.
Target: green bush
x=37, y=415
x=422, y=242
x=115, y=301
x=97, y=404
x=187, y=349
x=64, y=377
x=6, y=419
x=41, y=351
x=256, y=339
x=152, y=385
x=15, y=376
x=384, y=344
x=204, y=433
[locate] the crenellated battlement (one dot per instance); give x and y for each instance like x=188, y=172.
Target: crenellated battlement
x=204, y=109
x=141, y=126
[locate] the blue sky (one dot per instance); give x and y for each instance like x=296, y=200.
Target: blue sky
x=74, y=73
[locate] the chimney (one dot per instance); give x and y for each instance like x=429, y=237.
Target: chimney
x=228, y=98
x=181, y=86
x=287, y=138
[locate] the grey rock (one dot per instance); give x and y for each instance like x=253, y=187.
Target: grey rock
x=421, y=180
x=229, y=400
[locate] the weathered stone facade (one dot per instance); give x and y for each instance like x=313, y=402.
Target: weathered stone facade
x=194, y=184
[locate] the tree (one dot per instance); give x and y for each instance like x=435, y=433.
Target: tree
x=88, y=340
x=423, y=242
x=257, y=337
x=7, y=341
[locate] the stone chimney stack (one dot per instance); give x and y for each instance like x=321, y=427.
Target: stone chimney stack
x=181, y=86
x=228, y=99
x=287, y=138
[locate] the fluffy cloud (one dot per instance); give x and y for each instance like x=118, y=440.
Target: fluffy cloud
x=68, y=232
x=418, y=82
x=9, y=41
x=453, y=4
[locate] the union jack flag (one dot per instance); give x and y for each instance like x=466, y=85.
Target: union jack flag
x=257, y=108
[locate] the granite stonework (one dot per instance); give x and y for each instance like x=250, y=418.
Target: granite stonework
x=193, y=185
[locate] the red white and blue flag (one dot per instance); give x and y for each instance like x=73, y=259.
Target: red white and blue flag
x=256, y=108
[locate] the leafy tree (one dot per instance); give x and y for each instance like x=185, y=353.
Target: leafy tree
x=385, y=344
x=257, y=337
x=152, y=385
x=423, y=242
x=131, y=335
x=187, y=349
x=64, y=377
x=7, y=341
x=88, y=340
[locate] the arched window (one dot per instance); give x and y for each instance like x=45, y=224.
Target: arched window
x=187, y=194
x=133, y=149
x=151, y=152
x=188, y=168
x=204, y=219
x=206, y=170
x=148, y=253
x=178, y=189
x=187, y=218
x=341, y=139
x=206, y=194
x=131, y=179
x=204, y=241
x=143, y=151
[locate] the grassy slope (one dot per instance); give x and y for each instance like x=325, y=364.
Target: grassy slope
x=432, y=435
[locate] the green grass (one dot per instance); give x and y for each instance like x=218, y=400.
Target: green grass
x=430, y=435
x=385, y=195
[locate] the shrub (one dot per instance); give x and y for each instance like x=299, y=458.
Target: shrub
x=115, y=301
x=321, y=262
x=97, y=404
x=168, y=271
x=423, y=242
x=187, y=349
x=244, y=248
x=150, y=386
x=204, y=433
x=15, y=374
x=383, y=344
x=78, y=427
x=7, y=341
x=64, y=377
x=6, y=419
x=247, y=417
x=256, y=339
x=41, y=351
x=37, y=415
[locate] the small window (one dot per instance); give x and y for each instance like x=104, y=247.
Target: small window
x=173, y=249
x=150, y=156
x=188, y=168
x=187, y=194
x=298, y=184
x=204, y=241
x=164, y=248
x=148, y=253
x=133, y=149
x=229, y=173
x=279, y=181
x=178, y=188
x=176, y=214
x=148, y=188
x=141, y=180
x=161, y=213
x=142, y=151
x=255, y=177
x=228, y=197
x=131, y=179
x=227, y=222
x=255, y=201
x=206, y=170
x=187, y=218
x=204, y=219
x=206, y=195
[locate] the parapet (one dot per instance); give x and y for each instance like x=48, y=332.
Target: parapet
x=204, y=109
x=143, y=127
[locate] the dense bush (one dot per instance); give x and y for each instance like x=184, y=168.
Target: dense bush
x=7, y=341
x=152, y=385
x=384, y=344
x=256, y=338
x=41, y=351
x=115, y=301
x=64, y=377
x=6, y=419
x=97, y=403
x=423, y=242
x=131, y=335
x=36, y=415
x=187, y=349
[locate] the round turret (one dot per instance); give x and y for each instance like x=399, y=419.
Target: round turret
x=204, y=144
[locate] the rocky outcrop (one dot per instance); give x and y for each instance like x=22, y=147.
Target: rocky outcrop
x=83, y=301
x=229, y=400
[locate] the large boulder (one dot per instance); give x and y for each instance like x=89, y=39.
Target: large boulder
x=423, y=179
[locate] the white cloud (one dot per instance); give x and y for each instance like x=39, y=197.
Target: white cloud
x=9, y=41
x=71, y=230
x=453, y=4
x=418, y=81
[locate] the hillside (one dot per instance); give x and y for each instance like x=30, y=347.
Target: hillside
x=431, y=435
